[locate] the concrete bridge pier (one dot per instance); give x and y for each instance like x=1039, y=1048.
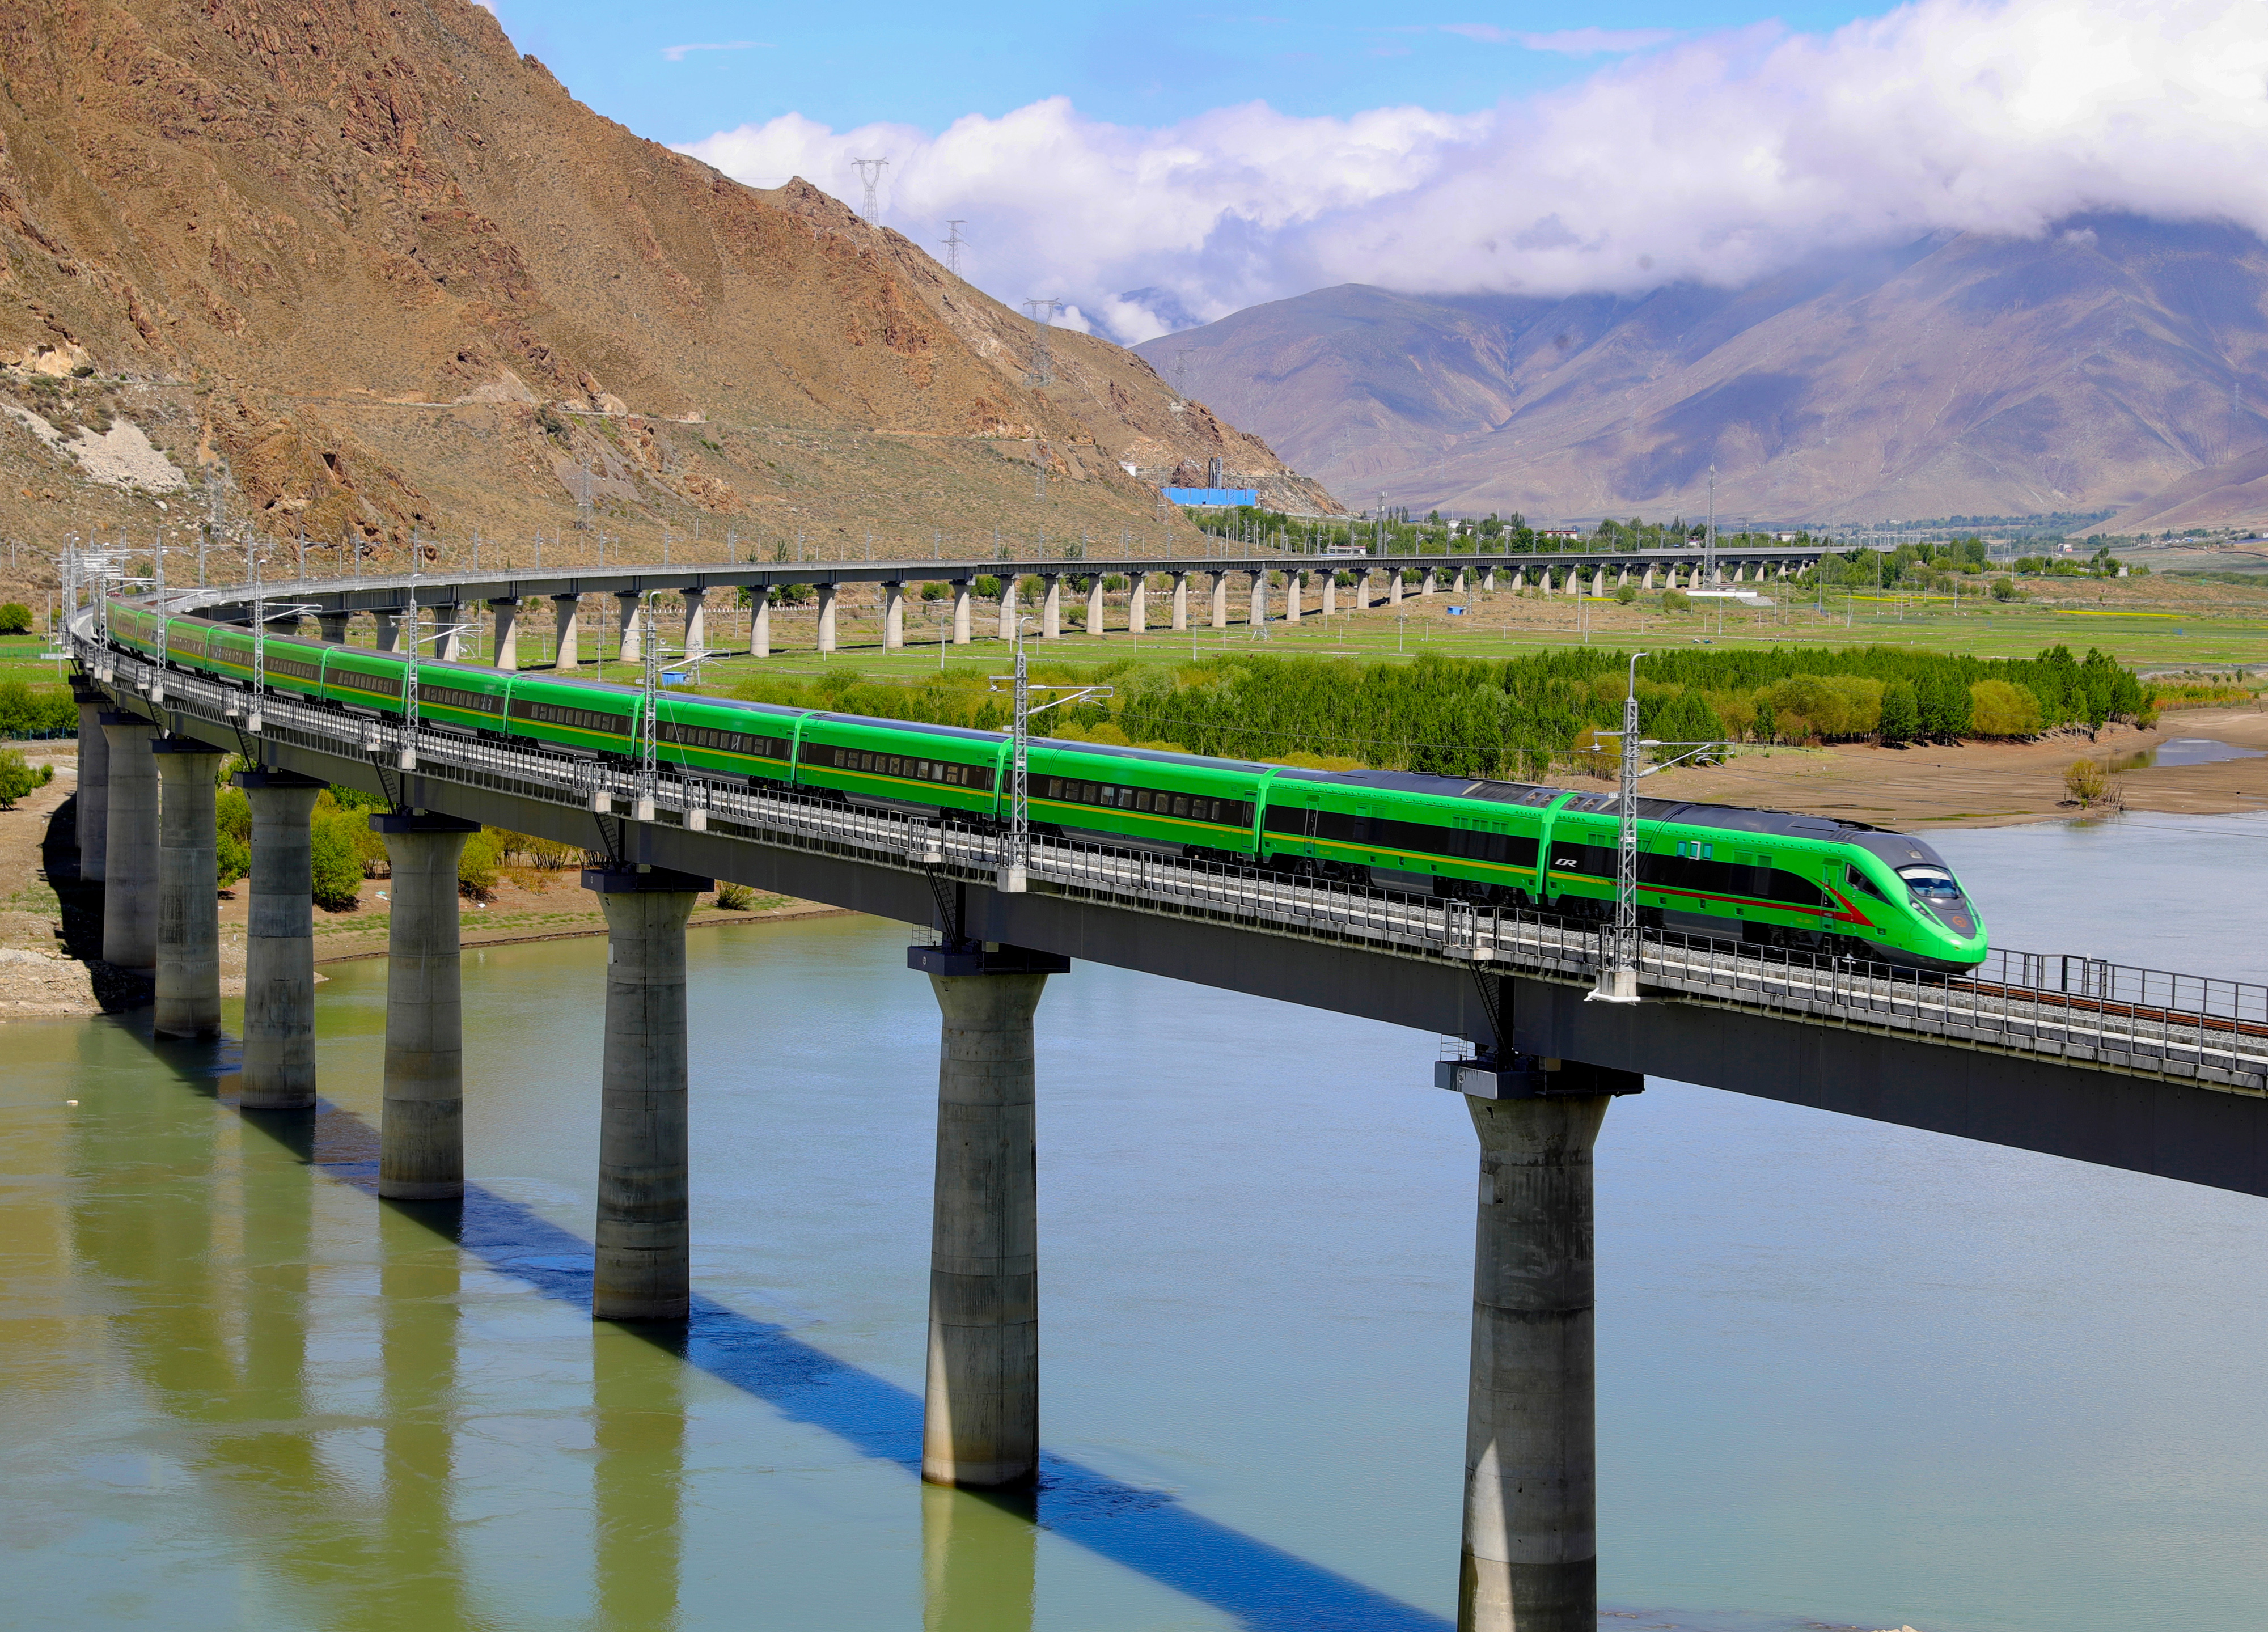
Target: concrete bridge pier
x=1095, y=618
x=92, y=808
x=388, y=620
x=1530, y=1563
x=1646, y=583
x=566, y=632
x=1295, y=589
x=1426, y=582
x=1256, y=604
x=1488, y=580
x=894, y=617
x=642, y=1269
x=129, y=896
x=697, y=622
x=626, y=625
x=1008, y=588
x=760, y=621
x=1180, y=603
x=827, y=617
x=961, y=612
x=1051, y=605
x=507, y=633
x=422, y=1130
x=188, y=891
x=448, y=632
x=332, y=626
x=279, y=948
x=1137, y=603
x=1220, y=600
x=981, y=1409
x=1393, y=587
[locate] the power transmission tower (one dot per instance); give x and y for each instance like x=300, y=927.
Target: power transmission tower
x=953, y=244
x=1044, y=313
x=870, y=171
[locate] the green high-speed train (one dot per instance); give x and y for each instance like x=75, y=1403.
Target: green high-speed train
x=1760, y=877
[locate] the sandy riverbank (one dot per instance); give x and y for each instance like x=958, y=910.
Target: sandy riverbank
x=1988, y=784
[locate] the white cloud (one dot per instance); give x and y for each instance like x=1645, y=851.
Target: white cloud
x=1721, y=159
x=677, y=53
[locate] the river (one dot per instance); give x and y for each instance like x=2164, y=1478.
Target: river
x=1849, y=1374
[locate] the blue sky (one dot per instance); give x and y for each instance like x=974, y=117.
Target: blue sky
x=926, y=65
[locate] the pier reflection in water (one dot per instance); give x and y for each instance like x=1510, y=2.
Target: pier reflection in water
x=1849, y=1374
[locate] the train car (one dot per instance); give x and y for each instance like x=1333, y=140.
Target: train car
x=1769, y=877
x=900, y=764
x=583, y=718
x=1449, y=836
x=752, y=741
x=1176, y=802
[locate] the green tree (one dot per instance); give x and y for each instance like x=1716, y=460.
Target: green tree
x=15, y=619
x=1900, y=716
x=477, y=863
x=337, y=860
x=18, y=778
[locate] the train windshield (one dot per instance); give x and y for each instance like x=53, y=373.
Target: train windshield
x=1936, y=889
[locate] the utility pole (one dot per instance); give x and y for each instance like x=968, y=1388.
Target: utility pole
x=1618, y=981
x=870, y=171
x=1708, y=539
x=953, y=244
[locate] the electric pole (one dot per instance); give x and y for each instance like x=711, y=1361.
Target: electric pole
x=953, y=244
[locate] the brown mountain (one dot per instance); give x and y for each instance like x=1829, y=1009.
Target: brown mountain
x=2232, y=494
x=1958, y=375
x=359, y=267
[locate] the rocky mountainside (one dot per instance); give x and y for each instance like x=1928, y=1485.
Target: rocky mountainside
x=1960, y=375
x=361, y=269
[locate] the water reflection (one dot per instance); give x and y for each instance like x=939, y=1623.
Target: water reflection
x=420, y=1279
x=638, y=1425
x=978, y=1555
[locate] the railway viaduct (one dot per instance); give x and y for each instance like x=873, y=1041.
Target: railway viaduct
x=2158, y=1073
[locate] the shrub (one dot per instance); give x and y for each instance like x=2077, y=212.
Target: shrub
x=15, y=619
x=1676, y=600
x=2086, y=782
x=1999, y=709
x=18, y=778
x=2004, y=589
x=734, y=897
x=476, y=865
x=231, y=859
x=337, y=860
x=1626, y=594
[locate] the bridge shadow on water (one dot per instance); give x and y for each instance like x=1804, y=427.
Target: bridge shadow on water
x=1264, y=1587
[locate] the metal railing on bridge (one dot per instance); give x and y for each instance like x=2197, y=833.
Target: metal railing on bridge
x=2083, y=1010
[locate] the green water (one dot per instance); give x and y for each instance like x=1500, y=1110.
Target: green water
x=1849, y=1374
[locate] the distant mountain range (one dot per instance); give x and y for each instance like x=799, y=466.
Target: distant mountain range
x=2095, y=367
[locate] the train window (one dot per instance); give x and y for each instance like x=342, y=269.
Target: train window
x=1181, y=806
x=1697, y=849
x=1860, y=881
